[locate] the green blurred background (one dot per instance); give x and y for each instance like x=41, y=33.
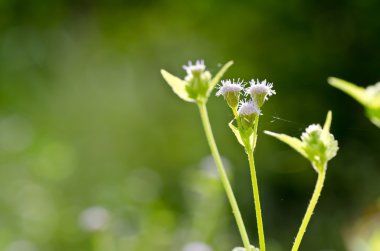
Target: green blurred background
x=97, y=153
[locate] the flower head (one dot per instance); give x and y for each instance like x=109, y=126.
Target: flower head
x=318, y=149
x=229, y=86
x=260, y=91
x=248, y=108
x=198, y=78
x=198, y=67
x=198, y=83
x=230, y=90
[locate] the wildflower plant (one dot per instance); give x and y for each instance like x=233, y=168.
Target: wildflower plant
x=246, y=101
x=246, y=114
x=319, y=146
x=369, y=97
x=196, y=87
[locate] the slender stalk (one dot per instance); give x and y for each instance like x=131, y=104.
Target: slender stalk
x=255, y=131
x=310, y=209
x=223, y=175
x=236, y=116
x=256, y=198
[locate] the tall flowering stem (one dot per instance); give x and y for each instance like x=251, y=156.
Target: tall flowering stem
x=310, y=209
x=319, y=146
x=256, y=198
x=249, y=149
x=196, y=87
x=246, y=113
x=223, y=175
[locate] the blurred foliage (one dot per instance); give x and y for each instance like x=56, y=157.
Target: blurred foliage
x=96, y=153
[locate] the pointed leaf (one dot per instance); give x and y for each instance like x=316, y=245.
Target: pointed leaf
x=351, y=89
x=326, y=126
x=178, y=85
x=218, y=76
x=295, y=143
x=236, y=132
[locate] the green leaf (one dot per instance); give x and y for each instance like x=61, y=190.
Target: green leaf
x=293, y=142
x=235, y=130
x=326, y=127
x=178, y=85
x=369, y=97
x=351, y=89
x=218, y=76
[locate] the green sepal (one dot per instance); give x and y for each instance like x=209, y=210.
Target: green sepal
x=236, y=131
x=293, y=142
x=214, y=81
x=178, y=85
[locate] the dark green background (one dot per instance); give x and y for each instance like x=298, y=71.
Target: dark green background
x=86, y=120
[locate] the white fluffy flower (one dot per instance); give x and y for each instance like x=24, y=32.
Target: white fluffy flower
x=248, y=108
x=313, y=127
x=260, y=91
x=198, y=67
x=229, y=86
x=258, y=87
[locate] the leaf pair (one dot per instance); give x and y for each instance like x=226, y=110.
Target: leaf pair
x=179, y=86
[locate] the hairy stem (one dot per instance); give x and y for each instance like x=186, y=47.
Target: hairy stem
x=256, y=198
x=223, y=175
x=310, y=209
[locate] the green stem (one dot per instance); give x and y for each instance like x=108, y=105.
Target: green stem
x=236, y=116
x=255, y=131
x=310, y=209
x=256, y=198
x=223, y=175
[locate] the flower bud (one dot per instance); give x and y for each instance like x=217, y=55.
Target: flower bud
x=260, y=91
x=198, y=79
x=318, y=149
x=230, y=90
